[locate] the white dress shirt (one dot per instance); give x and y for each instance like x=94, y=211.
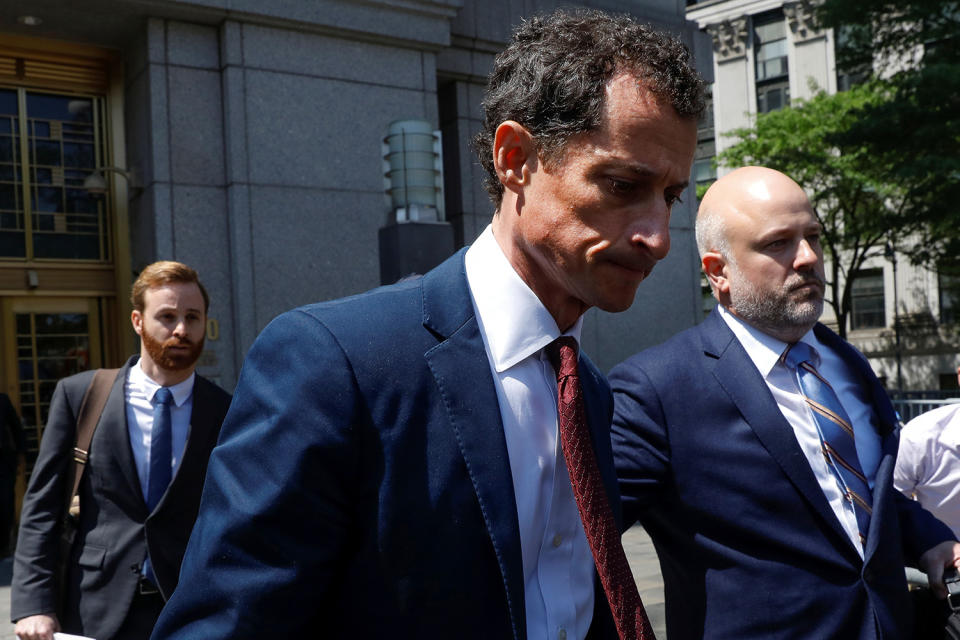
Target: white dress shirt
x=557, y=563
x=138, y=393
x=765, y=352
x=928, y=463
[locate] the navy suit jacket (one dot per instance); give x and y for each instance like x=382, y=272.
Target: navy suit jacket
x=361, y=487
x=748, y=544
x=115, y=527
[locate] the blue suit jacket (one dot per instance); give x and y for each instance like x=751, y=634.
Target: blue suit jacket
x=361, y=487
x=748, y=544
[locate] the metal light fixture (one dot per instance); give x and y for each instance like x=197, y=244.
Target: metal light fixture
x=413, y=171
x=30, y=21
x=96, y=183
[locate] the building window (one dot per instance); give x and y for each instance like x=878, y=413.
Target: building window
x=704, y=173
x=770, y=52
x=949, y=287
x=772, y=97
x=948, y=382
x=848, y=76
x=49, y=143
x=867, y=303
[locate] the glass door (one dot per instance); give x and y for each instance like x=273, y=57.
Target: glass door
x=46, y=340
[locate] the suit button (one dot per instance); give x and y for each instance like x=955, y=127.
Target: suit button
x=557, y=541
x=868, y=575
x=562, y=634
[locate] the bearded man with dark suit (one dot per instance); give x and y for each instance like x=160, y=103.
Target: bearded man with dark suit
x=125, y=558
x=721, y=458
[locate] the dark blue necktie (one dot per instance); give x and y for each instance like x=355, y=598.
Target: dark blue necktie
x=161, y=453
x=836, y=432
x=161, y=448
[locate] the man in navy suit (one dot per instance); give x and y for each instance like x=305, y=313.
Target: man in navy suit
x=724, y=463
x=390, y=466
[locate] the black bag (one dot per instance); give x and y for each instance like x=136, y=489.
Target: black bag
x=936, y=619
x=952, y=630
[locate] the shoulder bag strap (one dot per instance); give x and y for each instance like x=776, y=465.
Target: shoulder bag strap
x=91, y=408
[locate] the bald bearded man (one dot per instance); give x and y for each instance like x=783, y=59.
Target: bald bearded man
x=767, y=493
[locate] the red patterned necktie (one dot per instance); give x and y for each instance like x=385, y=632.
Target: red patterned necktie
x=595, y=512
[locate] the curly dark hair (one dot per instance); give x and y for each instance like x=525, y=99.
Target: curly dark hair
x=552, y=79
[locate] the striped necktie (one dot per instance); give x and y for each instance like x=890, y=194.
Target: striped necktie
x=836, y=431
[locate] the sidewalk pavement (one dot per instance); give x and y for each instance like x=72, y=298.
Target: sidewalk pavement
x=646, y=571
x=6, y=570
x=640, y=553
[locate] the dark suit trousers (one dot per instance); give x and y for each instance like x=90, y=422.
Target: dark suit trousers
x=140, y=620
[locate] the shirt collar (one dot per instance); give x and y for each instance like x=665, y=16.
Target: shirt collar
x=513, y=320
x=181, y=391
x=764, y=350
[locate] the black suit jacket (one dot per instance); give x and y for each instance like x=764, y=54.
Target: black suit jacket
x=115, y=528
x=748, y=543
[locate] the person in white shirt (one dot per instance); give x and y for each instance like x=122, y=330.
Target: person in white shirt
x=928, y=462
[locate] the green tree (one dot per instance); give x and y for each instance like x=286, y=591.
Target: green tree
x=859, y=203
x=913, y=46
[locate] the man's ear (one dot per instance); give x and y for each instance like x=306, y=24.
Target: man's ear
x=136, y=319
x=715, y=268
x=513, y=154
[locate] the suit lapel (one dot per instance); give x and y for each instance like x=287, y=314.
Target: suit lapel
x=113, y=424
x=462, y=372
x=737, y=375
x=875, y=394
x=194, y=450
x=113, y=429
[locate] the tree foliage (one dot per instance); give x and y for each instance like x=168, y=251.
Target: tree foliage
x=860, y=207
x=881, y=161
x=913, y=46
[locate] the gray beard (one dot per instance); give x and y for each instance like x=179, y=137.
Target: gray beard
x=774, y=313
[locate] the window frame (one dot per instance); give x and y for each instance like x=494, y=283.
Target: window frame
x=875, y=295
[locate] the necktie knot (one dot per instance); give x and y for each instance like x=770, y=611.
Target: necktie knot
x=800, y=352
x=162, y=396
x=563, y=356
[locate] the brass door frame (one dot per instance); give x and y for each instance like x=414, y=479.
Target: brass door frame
x=11, y=306
x=42, y=64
